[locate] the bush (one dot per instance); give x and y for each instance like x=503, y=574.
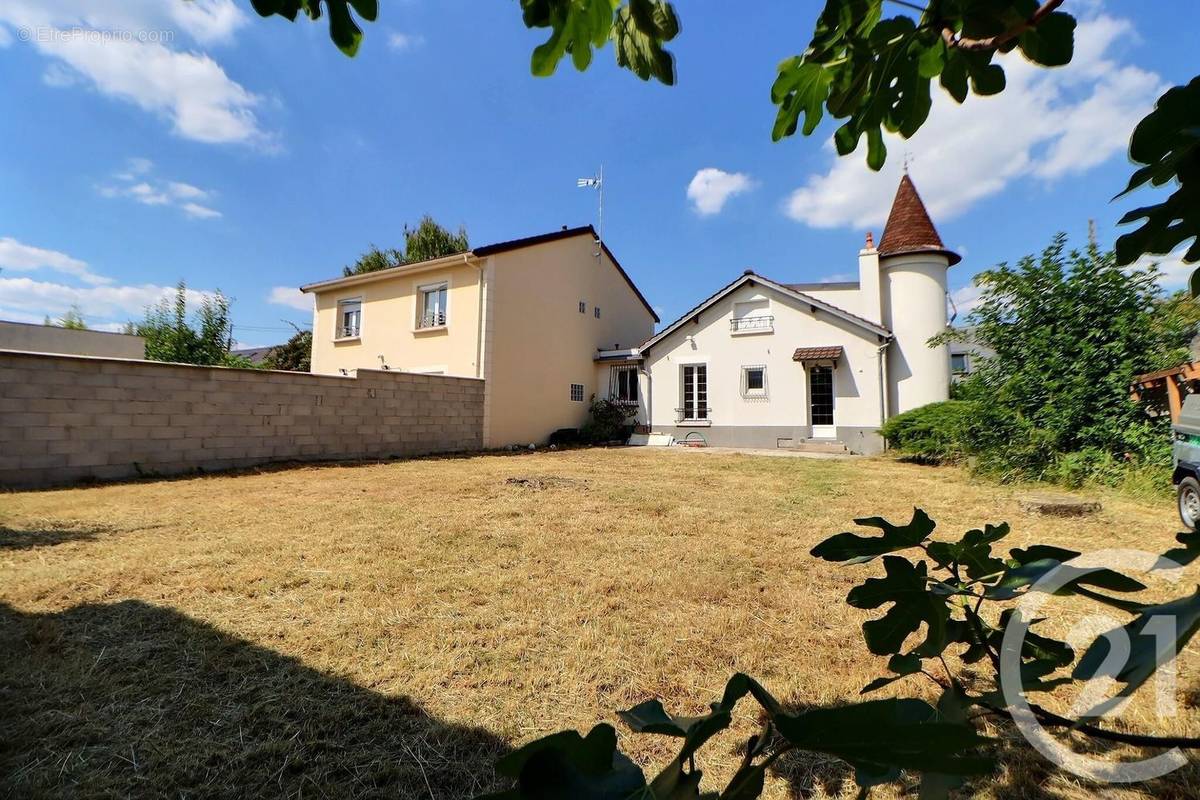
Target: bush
x=936, y=433
x=610, y=421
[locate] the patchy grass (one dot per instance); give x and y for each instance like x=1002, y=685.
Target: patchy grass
x=390, y=629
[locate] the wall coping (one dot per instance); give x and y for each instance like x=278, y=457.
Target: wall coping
x=152, y=364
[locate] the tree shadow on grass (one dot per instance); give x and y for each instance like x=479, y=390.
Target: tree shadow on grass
x=48, y=536
x=132, y=700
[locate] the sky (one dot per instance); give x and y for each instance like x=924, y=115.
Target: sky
x=145, y=142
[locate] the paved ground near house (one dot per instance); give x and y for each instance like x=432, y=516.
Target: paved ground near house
x=389, y=629
x=746, y=451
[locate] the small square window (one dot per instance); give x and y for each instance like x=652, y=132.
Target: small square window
x=582, y=307
x=754, y=381
x=597, y=310
x=577, y=392
x=958, y=363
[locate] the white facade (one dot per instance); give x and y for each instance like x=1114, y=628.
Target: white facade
x=767, y=364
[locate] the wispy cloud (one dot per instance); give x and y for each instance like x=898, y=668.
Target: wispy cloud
x=1070, y=120
x=130, y=50
x=711, y=188
x=137, y=182
x=19, y=257
x=403, y=42
x=291, y=297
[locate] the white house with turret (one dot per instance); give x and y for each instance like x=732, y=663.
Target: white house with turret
x=762, y=363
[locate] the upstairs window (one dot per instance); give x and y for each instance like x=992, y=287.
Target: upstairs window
x=623, y=385
x=349, y=319
x=577, y=392
x=597, y=310
x=582, y=306
x=432, y=308
x=958, y=363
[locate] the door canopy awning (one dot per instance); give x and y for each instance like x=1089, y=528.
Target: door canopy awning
x=827, y=353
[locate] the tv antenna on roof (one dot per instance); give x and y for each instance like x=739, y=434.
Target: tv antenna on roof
x=596, y=183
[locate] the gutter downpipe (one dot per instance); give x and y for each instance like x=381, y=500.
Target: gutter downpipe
x=883, y=387
x=470, y=260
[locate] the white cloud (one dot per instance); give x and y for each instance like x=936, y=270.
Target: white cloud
x=1173, y=273
x=138, y=182
x=710, y=188
x=403, y=42
x=125, y=50
x=1048, y=123
x=18, y=257
x=291, y=297
x=965, y=300
x=28, y=300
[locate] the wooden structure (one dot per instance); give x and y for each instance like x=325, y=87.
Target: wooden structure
x=1174, y=383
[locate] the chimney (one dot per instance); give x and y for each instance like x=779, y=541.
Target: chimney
x=870, y=241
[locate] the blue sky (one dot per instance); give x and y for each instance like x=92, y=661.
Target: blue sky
x=249, y=155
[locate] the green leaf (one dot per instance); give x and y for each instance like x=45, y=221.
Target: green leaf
x=954, y=76
x=913, y=603
x=1155, y=637
x=987, y=80
x=973, y=551
x=1052, y=42
x=852, y=548
x=932, y=59
x=876, y=150
x=565, y=765
x=641, y=29
x=800, y=88
x=880, y=736
x=342, y=29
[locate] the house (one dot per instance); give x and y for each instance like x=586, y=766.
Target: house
x=967, y=354
x=527, y=316
x=763, y=363
x=33, y=338
x=255, y=355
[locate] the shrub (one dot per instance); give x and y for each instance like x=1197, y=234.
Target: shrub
x=610, y=421
x=936, y=433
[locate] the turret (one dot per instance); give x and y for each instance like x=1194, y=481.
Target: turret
x=913, y=264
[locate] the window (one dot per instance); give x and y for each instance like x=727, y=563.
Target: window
x=349, y=319
x=432, y=309
x=597, y=310
x=754, y=381
x=577, y=392
x=695, y=391
x=623, y=385
x=958, y=363
x=582, y=306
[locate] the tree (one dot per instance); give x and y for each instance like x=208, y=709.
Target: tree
x=295, y=355
x=72, y=320
x=1069, y=332
x=427, y=240
x=171, y=337
x=875, y=73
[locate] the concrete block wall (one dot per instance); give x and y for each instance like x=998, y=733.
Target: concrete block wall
x=71, y=418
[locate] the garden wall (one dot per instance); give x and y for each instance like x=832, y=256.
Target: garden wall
x=71, y=418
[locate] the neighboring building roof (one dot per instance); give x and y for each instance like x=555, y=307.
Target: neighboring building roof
x=256, y=355
x=909, y=228
x=750, y=275
x=490, y=250
x=826, y=286
x=827, y=353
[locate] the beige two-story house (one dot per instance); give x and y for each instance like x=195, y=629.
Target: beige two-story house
x=530, y=317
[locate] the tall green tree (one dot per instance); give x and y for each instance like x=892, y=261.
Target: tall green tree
x=294, y=355
x=873, y=73
x=427, y=240
x=205, y=337
x=1070, y=330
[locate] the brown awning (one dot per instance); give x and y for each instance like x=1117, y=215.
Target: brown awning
x=828, y=353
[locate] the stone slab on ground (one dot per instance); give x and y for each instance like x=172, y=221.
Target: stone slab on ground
x=1057, y=505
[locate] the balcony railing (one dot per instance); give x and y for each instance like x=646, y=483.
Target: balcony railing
x=693, y=415
x=347, y=332
x=761, y=324
x=432, y=319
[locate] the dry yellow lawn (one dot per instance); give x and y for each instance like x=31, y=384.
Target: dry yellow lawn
x=390, y=629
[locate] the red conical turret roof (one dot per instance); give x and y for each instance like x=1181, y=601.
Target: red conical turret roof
x=909, y=228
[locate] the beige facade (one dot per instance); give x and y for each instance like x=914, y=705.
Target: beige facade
x=528, y=316
x=29, y=338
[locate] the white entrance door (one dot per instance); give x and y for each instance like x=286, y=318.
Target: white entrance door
x=820, y=397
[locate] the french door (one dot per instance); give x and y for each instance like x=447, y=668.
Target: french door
x=820, y=398
x=695, y=392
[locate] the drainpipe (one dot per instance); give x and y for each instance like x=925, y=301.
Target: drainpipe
x=881, y=354
x=474, y=262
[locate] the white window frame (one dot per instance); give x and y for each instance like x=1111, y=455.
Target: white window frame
x=596, y=311
x=631, y=383
x=581, y=392
x=747, y=392
x=422, y=291
x=684, y=419
x=339, y=328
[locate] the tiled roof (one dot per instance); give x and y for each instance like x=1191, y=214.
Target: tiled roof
x=828, y=353
x=909, y=228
